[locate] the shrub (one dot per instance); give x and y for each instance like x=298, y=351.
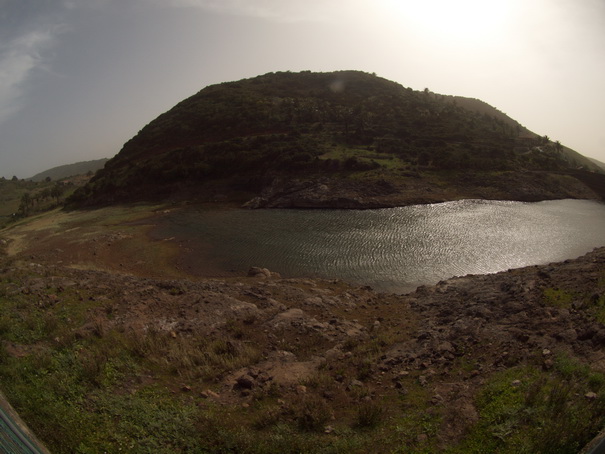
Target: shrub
x=369, y=415
x=311, y=413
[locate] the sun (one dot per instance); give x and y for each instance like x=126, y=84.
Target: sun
x=459, y=22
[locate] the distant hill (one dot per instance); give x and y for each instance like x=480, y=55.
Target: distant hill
x=239, y=138
x=70, y=170
x=598, y=163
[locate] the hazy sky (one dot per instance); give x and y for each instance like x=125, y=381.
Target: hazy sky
x=78, y=78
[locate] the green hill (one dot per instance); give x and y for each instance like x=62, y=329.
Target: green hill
x=70, y=170
x=238, y=138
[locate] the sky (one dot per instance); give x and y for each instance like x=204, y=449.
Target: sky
x=78, y=78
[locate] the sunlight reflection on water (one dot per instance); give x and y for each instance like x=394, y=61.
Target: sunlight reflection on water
x=396, y=249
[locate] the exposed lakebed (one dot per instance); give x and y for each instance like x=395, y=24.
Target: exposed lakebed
x=394, y=249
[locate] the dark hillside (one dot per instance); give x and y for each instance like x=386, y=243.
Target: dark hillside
x=236, y=138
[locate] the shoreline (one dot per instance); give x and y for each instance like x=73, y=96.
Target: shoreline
x=425, y=359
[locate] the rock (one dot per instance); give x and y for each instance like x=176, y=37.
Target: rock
x=445, y=347
x=436, y=399
x=288, y=317
x=568, y=335
x=314, y=301
x=259, y=272
x=209, y=394
x=244, y=382
x=255, y=203
x=599, y=337
x=333, y=354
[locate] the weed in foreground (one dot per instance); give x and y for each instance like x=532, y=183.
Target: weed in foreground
x=527, y=409
x=369, y=415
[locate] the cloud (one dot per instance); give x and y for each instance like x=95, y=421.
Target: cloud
x=28, y=29
x=277, y=10
x=18, y=60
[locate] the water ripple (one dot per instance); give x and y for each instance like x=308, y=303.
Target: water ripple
x=397, y=249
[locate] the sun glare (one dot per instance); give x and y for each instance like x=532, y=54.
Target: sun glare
x=466, y=22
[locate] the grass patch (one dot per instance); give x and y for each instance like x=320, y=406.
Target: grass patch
x=557, y=297
x=526, y=409
x=593, y=304
x=346, y=156
x=370, y=415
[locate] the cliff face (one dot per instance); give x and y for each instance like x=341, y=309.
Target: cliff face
x=344, y=125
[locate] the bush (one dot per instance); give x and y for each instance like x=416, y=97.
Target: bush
x=369, y=415
x=311, y=413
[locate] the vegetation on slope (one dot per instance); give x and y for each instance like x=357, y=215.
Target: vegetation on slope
x=20, y=198
x=70, y=170
x=306, y=124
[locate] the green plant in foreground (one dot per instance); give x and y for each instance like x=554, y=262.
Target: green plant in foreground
x=369, y=415
x=526, y=409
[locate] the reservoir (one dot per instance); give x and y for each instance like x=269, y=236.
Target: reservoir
x=394, y=249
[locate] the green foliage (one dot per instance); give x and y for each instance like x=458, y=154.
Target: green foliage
x=20, y=198
x=369, y=415
x=593, y=303
x=526, y=409
x=558, y=297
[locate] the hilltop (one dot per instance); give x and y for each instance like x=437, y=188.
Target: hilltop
x=338, y=139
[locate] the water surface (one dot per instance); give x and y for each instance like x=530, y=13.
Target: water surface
x=395, y=249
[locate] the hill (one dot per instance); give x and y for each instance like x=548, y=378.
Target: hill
x=334, y=139
x=598, y=163
x=70, y=170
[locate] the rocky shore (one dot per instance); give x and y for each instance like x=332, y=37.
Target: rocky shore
x=280, y=345
x=411, y=189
